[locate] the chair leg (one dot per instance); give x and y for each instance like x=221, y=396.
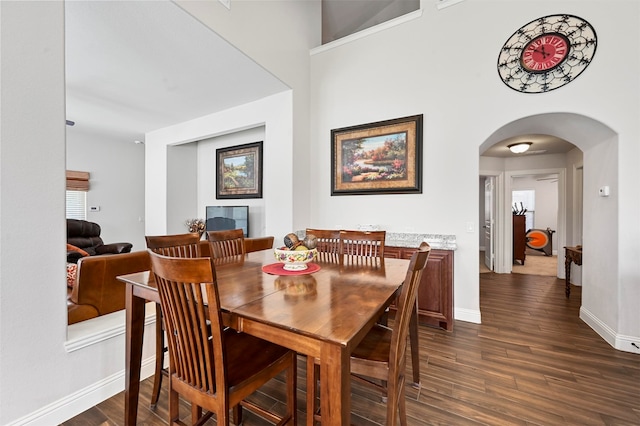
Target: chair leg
x=312, y=389
x=237, y=414
x=415, y=346
x=157, y=379
x=174, y=406
x=402, y=406
x=196, y=413
x=292, y=384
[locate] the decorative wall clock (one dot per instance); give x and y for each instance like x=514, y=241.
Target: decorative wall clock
x=547, y=53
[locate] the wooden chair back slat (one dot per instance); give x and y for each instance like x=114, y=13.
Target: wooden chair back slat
x=226, y=246
x=328, y=244
x=357, y=246
x=190, y=301
x=178, y=245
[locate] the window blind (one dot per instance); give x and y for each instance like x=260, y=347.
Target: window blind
x=77, y=205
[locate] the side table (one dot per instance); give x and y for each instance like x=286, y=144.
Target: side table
x=571, y=254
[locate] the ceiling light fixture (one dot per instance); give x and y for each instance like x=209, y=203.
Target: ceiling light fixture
x=520, y=147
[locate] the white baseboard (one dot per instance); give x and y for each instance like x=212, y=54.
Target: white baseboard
x=618, y=341
x=79, y=336
x=80, y=401
x=467, y=315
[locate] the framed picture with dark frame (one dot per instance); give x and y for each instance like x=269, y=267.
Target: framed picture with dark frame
x=239, y=171
x=384, y=157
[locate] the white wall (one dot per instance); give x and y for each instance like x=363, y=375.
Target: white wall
x=182, y=187
x=600, y=258
x=116, y=170
x=404, y=70
x=207, y=177
x=278, y=36
x=481, y=212
x=273, y=114
x=41, y=380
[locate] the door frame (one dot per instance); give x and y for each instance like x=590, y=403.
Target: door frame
x=503, y=229
x=560, y=233
x=498, y=219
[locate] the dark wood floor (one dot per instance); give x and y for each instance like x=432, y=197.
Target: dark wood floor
x=532, y=361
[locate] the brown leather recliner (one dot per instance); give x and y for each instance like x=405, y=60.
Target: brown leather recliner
x=86, y=236
x=97, y=290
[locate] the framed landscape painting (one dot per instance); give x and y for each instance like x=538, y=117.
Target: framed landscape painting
x=239, y=171
x=377, y=158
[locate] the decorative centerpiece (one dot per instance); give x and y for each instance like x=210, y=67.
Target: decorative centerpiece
x=196, y=225
x=295, y=254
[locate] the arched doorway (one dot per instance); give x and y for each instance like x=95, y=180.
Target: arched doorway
x=599, y=167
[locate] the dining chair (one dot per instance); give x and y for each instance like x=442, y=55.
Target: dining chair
x=212, y=366
x=226, y=246
x=177, y=245
x=367, y=247
x=328, y=243
x=379, y=360
x=362, y=246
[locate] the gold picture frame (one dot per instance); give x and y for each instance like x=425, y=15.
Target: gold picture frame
x=239, y=171
x=384, y=157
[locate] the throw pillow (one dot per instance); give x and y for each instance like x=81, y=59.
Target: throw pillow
x=72, y=269
x=78, y=249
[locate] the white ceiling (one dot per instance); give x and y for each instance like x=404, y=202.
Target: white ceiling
x=137, y=66
x=541, y=144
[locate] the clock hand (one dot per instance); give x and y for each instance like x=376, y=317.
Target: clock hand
x=541, y=50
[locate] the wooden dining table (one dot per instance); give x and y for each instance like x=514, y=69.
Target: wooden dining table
x=324, y=314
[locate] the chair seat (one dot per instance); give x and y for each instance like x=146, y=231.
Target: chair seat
x=375, y=346
x=371, y=357
x=372, y=353
x=247, y=355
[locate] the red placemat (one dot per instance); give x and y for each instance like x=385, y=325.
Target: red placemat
x=278, y=269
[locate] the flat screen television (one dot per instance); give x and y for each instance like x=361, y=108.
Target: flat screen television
x=222, y=218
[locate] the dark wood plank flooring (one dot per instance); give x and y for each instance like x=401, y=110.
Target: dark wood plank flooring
x=532, y=361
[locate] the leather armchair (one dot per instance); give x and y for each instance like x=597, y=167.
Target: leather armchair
x=86, y=236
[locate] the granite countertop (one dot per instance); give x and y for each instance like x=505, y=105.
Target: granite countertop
x=436, y=241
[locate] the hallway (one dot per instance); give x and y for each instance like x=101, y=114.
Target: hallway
x=536, y=263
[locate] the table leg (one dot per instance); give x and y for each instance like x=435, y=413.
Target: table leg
x=415, y=345
x=567, y=275
x=335, y=385
x=133, y=354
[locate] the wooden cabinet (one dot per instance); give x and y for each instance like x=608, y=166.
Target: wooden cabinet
x=435, y=295
x=519, y=238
